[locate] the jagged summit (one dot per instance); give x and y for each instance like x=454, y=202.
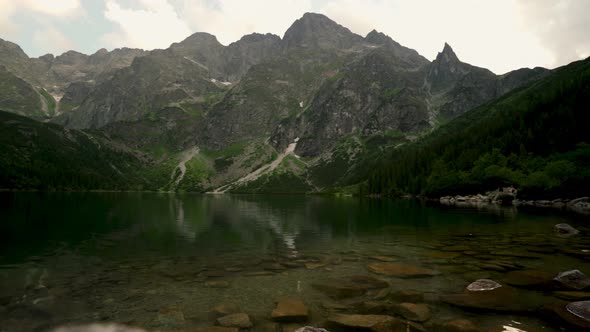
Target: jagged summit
x=314, y=30
x=198, y=38
x=256, y=37
x=379, y=38
x=447, y=54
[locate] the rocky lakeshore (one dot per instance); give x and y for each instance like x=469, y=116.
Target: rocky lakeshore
x=508, y=197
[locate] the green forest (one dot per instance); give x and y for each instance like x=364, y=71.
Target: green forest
x=535, y=138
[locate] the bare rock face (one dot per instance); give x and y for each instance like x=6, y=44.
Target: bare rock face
x=314, y=31
x=290, y=310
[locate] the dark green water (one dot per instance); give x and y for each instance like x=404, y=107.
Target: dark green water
x=163, y=261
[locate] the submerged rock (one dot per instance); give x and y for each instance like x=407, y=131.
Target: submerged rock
x=225, y=309
x=349, y=287
x=290, y=310
x=573, y=279
x=483, y=285
x=239, y=320
x=400, y=270
x=170, y=316
x=565, y=230
x=580, y=309
x=418, y=312
x=503, y=299
x=375, y=323
x=574, y=315
x=310, y=329
x=535, y=279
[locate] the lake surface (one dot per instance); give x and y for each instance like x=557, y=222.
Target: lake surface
x=164, y=261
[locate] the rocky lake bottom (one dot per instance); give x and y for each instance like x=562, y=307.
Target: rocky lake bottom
x=191, y=262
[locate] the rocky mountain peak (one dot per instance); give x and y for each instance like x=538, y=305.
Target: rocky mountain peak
x=447, y=55
x=376, y=37
x=10, y=49
x=257, y=37
x=103, y=51
x=317, y=30
x=198, y=39
x=71, y=58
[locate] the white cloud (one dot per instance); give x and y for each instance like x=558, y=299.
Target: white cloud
x=10, y=30
x=52, y=40
x=60, y=8
x=155, y=25
x=561, y=25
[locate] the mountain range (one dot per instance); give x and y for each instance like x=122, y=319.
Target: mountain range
x=312, y=111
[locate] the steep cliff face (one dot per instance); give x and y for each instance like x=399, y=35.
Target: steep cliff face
x=377, y=93
x=313, y=50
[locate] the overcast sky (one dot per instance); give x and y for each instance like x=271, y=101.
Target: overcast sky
x=497, y=34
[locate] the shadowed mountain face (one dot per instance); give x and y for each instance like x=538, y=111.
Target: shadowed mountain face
x=341, y=96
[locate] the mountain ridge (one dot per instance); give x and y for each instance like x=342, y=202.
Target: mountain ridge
x=337, y=99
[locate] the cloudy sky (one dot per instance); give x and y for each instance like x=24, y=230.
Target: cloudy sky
x=500, y=35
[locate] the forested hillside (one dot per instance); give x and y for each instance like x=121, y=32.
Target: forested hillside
x=36, y=155
x=534, y=138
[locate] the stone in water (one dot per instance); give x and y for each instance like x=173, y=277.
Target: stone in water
x=483, y=285
x=580, y=309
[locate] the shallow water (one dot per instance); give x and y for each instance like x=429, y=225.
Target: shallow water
x=163, y=261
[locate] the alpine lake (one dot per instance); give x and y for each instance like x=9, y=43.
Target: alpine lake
x=187, y=262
